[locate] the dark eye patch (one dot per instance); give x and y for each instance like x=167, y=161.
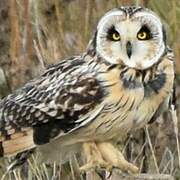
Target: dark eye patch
x=110, y=32
x=145, y=29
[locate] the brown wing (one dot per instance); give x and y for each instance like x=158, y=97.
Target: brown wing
x=55, y=103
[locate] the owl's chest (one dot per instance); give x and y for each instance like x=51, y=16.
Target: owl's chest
x=130, y=111
x=132, y=102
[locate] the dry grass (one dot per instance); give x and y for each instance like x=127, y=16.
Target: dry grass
x=42, y=32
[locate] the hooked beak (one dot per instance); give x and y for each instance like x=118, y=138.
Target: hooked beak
x=129, y=49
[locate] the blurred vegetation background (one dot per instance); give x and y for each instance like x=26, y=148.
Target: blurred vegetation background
x=37, y=33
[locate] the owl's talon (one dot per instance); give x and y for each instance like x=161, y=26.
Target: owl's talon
x=96, y=163
x=94, y=158
x=115, y=157
x=95, y=166
x=105, y=155
x=109, y=171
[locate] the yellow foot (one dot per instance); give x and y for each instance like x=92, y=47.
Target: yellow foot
x=114, y=157
x=94, y=158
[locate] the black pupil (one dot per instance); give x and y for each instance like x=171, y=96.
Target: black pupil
x=147, y=31
x=110, y=33
x=116, y=35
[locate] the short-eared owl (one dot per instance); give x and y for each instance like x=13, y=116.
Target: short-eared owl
x=123, y=81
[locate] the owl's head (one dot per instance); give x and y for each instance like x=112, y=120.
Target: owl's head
x=132, y=36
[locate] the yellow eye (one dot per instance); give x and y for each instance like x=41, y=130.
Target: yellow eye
x=115, y=36
x=142, y=35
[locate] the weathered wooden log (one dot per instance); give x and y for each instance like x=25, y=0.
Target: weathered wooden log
x=118, y=175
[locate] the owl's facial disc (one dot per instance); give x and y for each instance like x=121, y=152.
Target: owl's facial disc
x=135, y=40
